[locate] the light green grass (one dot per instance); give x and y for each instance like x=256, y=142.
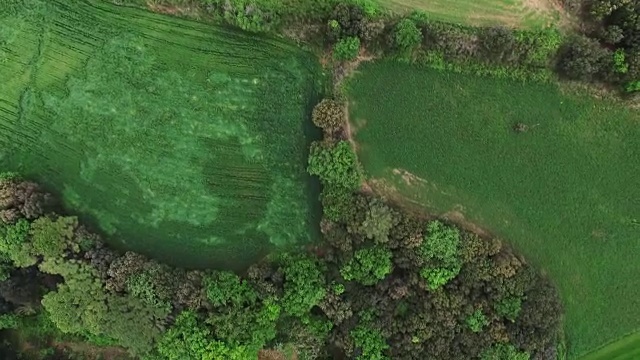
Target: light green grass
x=513, y=13
x=565, y=193
x=177, y=139
x=627, y=348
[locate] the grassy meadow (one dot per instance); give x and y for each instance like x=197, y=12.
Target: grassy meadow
x=512, y=13
x=180, y=140
x=627, y=348
x=565, y=193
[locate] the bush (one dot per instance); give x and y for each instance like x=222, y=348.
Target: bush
x=346, y=49
x=336, y=165
x=620, y=65
x=407, y=35
x=368, y=266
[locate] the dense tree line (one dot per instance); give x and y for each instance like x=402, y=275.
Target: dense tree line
x=383, y=285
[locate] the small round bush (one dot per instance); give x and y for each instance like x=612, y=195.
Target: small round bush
x=346, y=49
x=407, y=34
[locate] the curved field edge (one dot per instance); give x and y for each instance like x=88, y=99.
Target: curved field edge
x=114, y=107
x=533, y=188
x=626, y=348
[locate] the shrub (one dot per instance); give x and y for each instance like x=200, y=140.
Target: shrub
x=368, y=266
x=632, y=86
x=620, y=65
x=346, y=49
x=407, y=34
x=336, y=165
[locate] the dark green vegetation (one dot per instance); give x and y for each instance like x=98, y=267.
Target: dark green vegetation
x=183, y=141
x=556, y=174
x=609, y=49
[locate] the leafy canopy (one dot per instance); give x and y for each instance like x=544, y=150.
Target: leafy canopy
x=335, y=164
x=370, y=342
x=304, y=286
x=441, y=251
x=407, y=34
x=346, y=49
x=368, y=266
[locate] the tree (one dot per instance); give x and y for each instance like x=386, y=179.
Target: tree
x=369, y=342
x=378, y=222
x=227, y=289
x=336, y=165
x=441, y=251
x=584, y=59
x=497, y=43
x=509, y=307
x=304, y=285
x=407, y=35
x=329, y=115
x=368, y=266
x=50, y=238
x=477, y=321
x=346, y=49
x=350, y=19
x=14, y=243
x=188, y=338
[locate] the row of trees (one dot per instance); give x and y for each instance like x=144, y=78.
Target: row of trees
x=607, y=52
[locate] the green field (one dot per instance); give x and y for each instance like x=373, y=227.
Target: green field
x=180, y=140
x=565, y=192
x=513, y=13
x=627, y=348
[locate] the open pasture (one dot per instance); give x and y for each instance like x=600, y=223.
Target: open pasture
x=565, y=192
x=627, y=348
x=512, y=13
x=180, y=140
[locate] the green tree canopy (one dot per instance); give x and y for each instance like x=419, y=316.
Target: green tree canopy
x=407, y=35
x=336, y=164
x=346, y=49
x=368, y=266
